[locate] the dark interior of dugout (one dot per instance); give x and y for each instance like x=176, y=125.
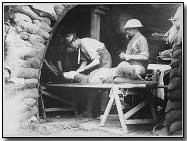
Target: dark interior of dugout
x=154, y=17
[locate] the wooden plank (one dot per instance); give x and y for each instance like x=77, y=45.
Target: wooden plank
x=102, y=86
x=95, y=25
x=43, y=107
x=108, y=108
x=119, y=109
x=56, y=97
x=135, y=109
x=139, y=121
x=59, y=109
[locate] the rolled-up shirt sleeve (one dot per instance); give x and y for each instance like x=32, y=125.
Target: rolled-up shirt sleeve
x=92, y=48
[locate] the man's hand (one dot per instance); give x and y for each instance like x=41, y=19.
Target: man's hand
x=124, y=56
x=70, y=75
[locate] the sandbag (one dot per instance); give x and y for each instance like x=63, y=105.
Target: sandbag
x=179, y=73
x=26, y=73
x=45, y=10
x=173, y=105
x=24, y=35
x=175, y=126
x=13, y=31
x=39, y=46
x=173, y=73
x=33, y=29
x=59, y=9
x=177, y=53
x=175, y=62
x=29, y=63
x=15, y=56
x=175, y=94
x=27, y=114
x=34, y=39
x=37, y=53
x=23, y=53
x=17, y=17
x=27, y=11
x=30, y=102
x=28, y=44
x=6, y=28
x=175, y=83
x=31, y=83
x=43, y=25
x=46, y=20
x=22, y=63
x=33, y=62
x=29, y=93
x=15, y=41
x=172, y=116
x=176, y=47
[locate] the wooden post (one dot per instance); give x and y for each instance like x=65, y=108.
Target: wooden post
x=95, y=25
x=96, y=20
x=108, y=108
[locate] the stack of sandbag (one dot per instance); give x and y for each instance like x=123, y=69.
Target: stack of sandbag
x=174, y=113
x=62, y=9
x=24, y=49
x=173, y=119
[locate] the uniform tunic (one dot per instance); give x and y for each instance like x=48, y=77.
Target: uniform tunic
x=138, y=46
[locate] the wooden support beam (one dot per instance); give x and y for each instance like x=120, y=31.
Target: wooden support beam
x=135, y=109
x=57, y=98
x=108, y=108
x=59, y=109
x=119, y=109
x=95, y=25
x=139, y=121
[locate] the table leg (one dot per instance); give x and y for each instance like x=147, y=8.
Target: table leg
x=108, y=108
x=119, y=108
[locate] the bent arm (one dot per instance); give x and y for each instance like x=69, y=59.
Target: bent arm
x=144, y=56
x=93, y=64
x=82, y=66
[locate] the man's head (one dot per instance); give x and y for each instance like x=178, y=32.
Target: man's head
x=132, y=27
x=71, y=39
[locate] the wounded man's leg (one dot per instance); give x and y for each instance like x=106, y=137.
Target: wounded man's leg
x=130, y=71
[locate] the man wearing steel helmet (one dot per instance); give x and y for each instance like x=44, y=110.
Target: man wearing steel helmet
x=137, y=52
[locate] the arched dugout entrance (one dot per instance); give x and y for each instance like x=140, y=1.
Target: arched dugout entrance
x=103, y=22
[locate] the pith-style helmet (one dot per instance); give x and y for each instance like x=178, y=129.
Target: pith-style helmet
x=133, y=23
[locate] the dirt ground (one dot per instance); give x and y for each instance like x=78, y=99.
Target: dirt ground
x=81, y=127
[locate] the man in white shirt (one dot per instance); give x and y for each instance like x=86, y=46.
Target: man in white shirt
x=92, y=54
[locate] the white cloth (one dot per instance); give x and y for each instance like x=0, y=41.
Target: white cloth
x=162, y=69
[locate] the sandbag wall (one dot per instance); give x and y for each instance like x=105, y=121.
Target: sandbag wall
x=173, y=118
x=24, y=45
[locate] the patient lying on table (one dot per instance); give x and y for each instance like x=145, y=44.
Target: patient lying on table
x=107, y=75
